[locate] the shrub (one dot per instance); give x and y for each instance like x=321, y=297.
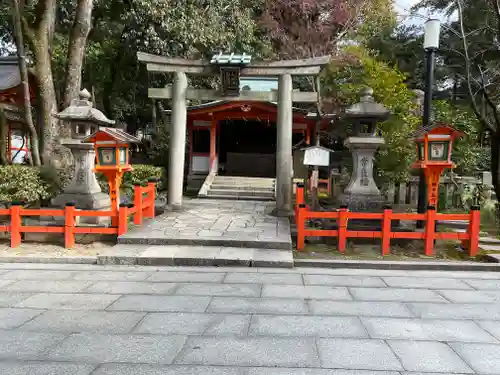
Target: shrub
x=139, y=176
x=23, y=183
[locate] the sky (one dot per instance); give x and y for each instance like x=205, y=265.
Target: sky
x=418, y=18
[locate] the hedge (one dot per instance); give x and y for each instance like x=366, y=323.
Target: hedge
x=37, y=185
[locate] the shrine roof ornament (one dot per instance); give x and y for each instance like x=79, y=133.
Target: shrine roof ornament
x=82, y=109
x=231, y=59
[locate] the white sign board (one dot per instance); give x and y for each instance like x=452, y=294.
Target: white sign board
x=317, y=156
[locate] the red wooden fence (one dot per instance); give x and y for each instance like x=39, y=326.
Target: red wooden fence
x=302, y=213
x=143, y=207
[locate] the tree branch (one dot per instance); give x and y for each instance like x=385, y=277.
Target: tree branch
x=475, y=108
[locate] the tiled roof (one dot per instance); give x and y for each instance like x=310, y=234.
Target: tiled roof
x=9, y=73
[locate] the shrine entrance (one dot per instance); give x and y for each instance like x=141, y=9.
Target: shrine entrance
x=247, y=148
x=230, y=67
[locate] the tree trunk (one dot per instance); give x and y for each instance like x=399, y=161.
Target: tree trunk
x=76, y=51
x=3, y=137
x=40, y=35
x=495, y=162
x=28, y=116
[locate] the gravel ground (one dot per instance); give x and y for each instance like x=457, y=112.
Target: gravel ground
x=49, y=250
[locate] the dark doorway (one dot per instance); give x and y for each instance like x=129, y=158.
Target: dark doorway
x=247, y=148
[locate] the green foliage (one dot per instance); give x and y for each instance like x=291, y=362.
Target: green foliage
x=139, y=176
x=24, y=184
x=360, y=70
x=468, y=154
x=159, y=151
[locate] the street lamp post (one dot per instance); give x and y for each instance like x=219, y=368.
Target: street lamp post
x=431, y=45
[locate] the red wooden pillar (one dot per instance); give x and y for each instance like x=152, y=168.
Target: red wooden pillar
x=151, y=197
x=430, y=230
x=213, y=137
x=301, y=227
x=342, y=228
x=308, y=134
x=138, y=205
x=299, y=197
x=386, y=230
x=123, y=219
x=474, y=229
x=69, y=225
x=15, y=224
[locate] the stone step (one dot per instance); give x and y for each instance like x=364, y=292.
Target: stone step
x=175, y=255
x=489, y=241
x=224, y=178
x=249, y=192
x=243, y=183
x=242, y=187
x=238, y=197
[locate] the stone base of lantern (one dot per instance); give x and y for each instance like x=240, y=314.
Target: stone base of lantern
x=96, y=201
x=362, y=193
x=362, y=202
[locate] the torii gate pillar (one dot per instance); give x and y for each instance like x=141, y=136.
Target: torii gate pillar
x=177, y=141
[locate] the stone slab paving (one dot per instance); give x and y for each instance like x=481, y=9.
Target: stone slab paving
x=132, y=320
x=215, y=223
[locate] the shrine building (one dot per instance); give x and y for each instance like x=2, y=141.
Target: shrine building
x=240, y=138
x=13, y=132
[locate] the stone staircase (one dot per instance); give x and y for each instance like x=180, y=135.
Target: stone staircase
x=240, y=188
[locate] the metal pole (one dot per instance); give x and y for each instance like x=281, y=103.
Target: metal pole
x=426, y=119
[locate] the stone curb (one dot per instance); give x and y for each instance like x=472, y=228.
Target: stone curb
x=58, y=260
x=395, y=265
x=494, y=266
x=193, y=262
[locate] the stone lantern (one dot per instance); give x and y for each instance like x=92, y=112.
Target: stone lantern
x=84, y=190
x=362, y=194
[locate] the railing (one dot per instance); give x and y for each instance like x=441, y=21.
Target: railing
x=143, y=207
x=214, y=169
x=470, y=238
x=452, y=191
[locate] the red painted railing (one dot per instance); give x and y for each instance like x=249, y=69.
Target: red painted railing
x=143, y=207
x=302, y=213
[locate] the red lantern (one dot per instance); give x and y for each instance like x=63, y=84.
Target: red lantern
x=434, y=146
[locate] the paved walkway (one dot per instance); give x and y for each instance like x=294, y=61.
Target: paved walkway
x=112, y=320
x=216, y=223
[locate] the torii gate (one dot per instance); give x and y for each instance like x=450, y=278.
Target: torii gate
x=230, y=68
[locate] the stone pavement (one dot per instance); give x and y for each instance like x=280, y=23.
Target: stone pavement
x=215, y=223
x=130, y=320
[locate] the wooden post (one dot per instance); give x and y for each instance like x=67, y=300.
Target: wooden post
x=138, y=204
x=430, y=230
x=213, y=143
x=15, y=224
x=69, y=225
x=123, y=219
x=151, y=197
x=342, y=228
x=391, y=191
x=301, y=226
x=386, y=230
x=402, y=193
x=474, y=229
x=299, y=197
